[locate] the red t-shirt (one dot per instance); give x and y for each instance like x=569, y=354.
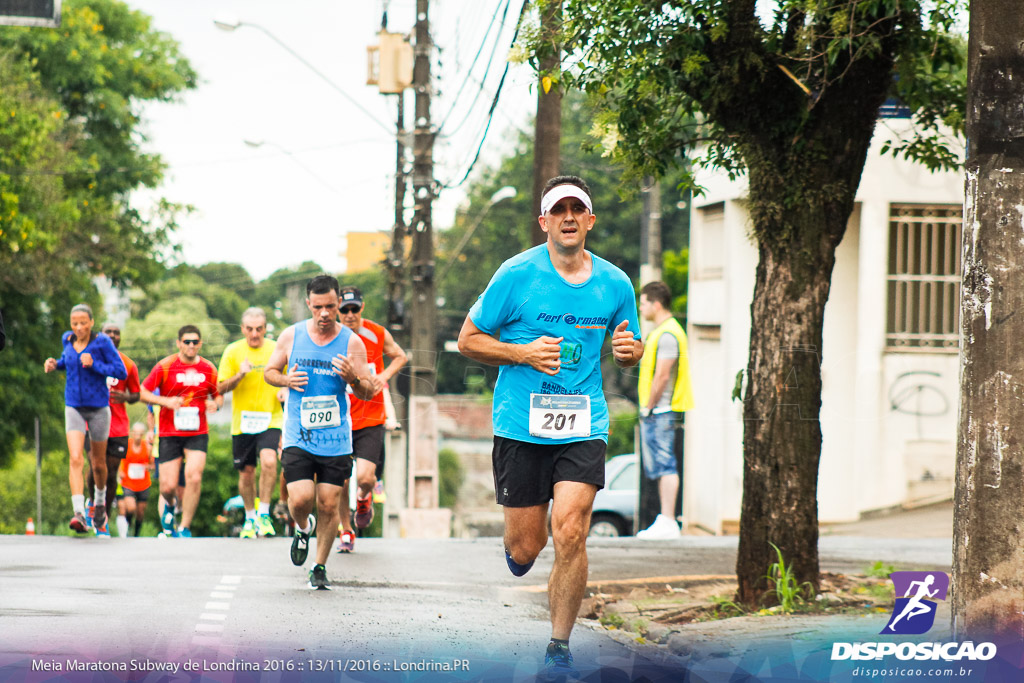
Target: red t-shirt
x=118, y=411
x=195, y=383
x=369, y=413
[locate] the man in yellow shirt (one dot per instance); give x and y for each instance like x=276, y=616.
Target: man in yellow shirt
x=664, y=394
x=256, y=419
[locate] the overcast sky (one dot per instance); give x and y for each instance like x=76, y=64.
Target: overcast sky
x=325, y=166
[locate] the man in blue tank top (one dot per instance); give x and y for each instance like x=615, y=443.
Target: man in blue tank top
x=543, y=318
x=321, y=357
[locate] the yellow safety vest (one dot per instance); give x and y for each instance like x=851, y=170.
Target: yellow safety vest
x=682, y=392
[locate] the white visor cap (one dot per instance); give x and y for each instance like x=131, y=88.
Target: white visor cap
x=560, y=192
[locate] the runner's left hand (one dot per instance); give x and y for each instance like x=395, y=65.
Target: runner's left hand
x=622, y=343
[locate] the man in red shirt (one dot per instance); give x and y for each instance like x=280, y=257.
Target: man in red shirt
x=368, y=417
x=122, y=391
x=188, y=390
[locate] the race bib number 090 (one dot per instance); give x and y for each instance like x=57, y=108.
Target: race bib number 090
x=319, y=412
x=555, y=416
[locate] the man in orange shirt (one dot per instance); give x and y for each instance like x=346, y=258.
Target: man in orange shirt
x=135, y=476
x=368, y=417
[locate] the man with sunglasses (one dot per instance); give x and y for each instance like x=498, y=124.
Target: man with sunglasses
x=368, y=417
x=543, y=318
x=188, y=391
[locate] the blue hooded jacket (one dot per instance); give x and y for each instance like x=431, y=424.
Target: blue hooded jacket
x=87, y=387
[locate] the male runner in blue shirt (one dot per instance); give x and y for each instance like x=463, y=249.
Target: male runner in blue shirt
x=543, y=318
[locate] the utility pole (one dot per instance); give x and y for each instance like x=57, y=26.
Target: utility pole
x=423, y=361
x=650, y=231
x=547, y=138
x=988, y=577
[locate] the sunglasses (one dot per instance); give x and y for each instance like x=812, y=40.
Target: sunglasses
x=345, y=310
x=190, y=342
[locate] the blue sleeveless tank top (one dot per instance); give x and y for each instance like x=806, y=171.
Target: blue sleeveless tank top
x=317, y=419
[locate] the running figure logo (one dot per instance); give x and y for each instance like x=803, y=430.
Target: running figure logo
x=914, y=613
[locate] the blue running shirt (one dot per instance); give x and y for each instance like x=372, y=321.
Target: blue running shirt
x=527, y=299
x=316, y=419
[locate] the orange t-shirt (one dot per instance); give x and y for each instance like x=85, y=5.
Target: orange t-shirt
x=135, y=467
x=370, y=413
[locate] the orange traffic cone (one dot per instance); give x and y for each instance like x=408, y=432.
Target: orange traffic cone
x=30, y=527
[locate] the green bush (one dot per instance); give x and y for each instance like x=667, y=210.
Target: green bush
x=620, y=436
x=451, y=477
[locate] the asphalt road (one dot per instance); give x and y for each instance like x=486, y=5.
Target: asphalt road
x=395, y=604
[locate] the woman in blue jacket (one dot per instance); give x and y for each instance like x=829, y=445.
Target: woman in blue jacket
x=88, y=359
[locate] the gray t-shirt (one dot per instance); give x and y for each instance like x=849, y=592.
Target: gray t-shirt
x=668, y=347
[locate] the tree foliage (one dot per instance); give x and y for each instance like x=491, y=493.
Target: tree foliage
x=789, y=99
x=71, y=151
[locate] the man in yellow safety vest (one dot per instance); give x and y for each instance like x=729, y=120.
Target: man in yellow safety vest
x=664, y=393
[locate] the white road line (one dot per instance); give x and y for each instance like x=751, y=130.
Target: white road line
x=210, y=627
x=212, y=616
x=222, y=596
x=231, y=579
x=225, y=588
x=224, y=606
x=206, y=640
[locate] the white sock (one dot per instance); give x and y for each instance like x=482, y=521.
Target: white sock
x=78, y=503
x=306, y=529
x=264, y=508
x=122, y=526
x=100, y=497
x=250, y=514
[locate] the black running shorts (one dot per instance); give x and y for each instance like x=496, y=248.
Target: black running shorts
x=323, y=469
x=525, y=473
x=117, y=447
x=368, y=444
x=139, y=496
x=174, y=447
x=245, y=448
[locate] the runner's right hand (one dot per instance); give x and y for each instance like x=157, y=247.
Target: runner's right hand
x=544, y=354
x=296, y=378
x=49, y=365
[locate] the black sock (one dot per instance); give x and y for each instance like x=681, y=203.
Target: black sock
x=556, y=641
x=138, y=526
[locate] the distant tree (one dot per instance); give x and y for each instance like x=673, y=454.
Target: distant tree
x=232, y=276
x=70, y=155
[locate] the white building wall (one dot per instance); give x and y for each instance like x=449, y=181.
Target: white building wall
x=869, y=448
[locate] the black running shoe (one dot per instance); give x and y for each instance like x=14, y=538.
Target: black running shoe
x=318, y=578
x=300, y=543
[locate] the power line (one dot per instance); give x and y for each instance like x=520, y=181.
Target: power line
x=479, y=51
x=494, y=103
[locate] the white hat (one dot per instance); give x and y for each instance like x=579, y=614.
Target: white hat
x=560, y=192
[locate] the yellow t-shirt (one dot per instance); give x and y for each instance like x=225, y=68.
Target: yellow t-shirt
x=253, y=396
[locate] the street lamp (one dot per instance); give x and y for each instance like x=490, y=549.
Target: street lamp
x=256, y=144
x=507, y=192
x=231, y=24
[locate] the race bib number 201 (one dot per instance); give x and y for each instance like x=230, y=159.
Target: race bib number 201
x=555, y=416
x=319, y=412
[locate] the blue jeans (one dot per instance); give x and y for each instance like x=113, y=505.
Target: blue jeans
x=658, y=432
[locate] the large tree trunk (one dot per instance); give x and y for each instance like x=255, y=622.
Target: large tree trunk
x=782, y=434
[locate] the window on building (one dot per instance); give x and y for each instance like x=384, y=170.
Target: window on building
x=924, y=276
x=707, y=254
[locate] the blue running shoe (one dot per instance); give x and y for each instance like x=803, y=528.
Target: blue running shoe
x=102, y=531
x=167, y=521
x=516, y=568
x=184, y=532
x=558, y=664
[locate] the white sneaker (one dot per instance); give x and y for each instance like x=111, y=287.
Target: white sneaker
x=663, y=528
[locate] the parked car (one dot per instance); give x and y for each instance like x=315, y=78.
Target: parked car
x=615, y=504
